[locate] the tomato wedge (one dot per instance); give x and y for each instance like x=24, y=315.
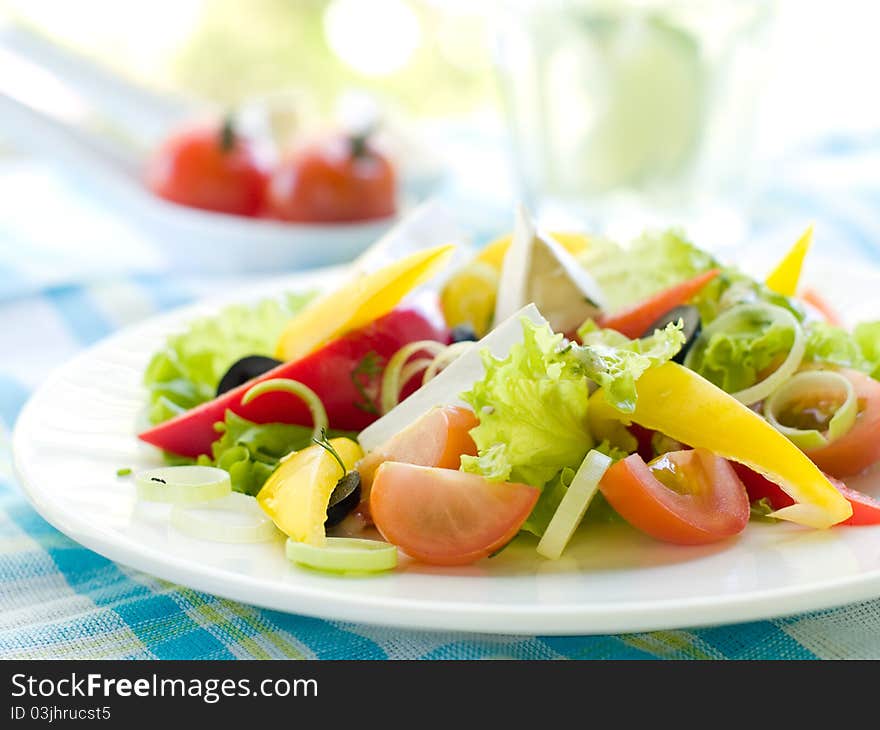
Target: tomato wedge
x=447, y=517
x=689, y=497
x=335, y=372
x=865, y=509
x=857, y=449
x=634, y=321
x=439, y=438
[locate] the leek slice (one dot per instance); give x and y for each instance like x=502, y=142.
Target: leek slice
x=734, y=319
x=806, y=385
x=236, y=518
x=444, y=358
x=573, y=507
x=399, y=371
x=287, y=385
x=392, y=378
x=182, y=484
x=413, y=368
x=344, y=555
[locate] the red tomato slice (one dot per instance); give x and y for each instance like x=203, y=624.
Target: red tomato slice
x=330, y=371
x=866, y=509
x=860, y=447
x=634, y=320
x=447, y=517
x=439, y=438
x=687, y=497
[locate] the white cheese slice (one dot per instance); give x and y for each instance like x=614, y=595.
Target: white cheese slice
x=539, y=270
x=451, y=382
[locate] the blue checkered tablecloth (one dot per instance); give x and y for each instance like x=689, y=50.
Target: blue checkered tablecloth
x=70, y=273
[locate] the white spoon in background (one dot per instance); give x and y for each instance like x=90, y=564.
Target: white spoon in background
x=146, y=114
x=48, y=97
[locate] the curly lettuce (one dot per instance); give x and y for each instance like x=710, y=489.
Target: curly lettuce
x=532, y=405
x=859, y=349
x=731, y=288
x=867, y=336
x=532, y=408
x=250, y=451
x=186, y=371
x=615, y=363
x=548, y=502
x=735, y=359
x=651, y=263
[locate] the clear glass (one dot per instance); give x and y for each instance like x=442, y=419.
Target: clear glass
x=626, y=113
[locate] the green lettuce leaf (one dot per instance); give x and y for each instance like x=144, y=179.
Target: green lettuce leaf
x=532, y=408
x=555, y=490
x=548, y=502
x=732, y=287
x=859, y=349
x=493, y=463
x=615, y=363
x=601, y=512
x=761, y=509
x=867, y=335
x=833, y=346
x=250, y=452
x=735, y=359
x=186, y=371
x=651, y=263
x=532, y=405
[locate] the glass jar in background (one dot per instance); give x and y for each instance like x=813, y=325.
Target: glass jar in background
x=632, y=113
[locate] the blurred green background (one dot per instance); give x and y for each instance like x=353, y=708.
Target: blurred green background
x=430, y=58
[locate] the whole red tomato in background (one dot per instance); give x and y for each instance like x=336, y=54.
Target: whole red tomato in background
x=341, y=178
x=209, y=167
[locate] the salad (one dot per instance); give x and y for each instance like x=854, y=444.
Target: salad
x=552, y=382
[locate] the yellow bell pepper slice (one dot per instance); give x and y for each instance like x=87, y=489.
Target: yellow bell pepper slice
x=493, y=253
x=358, y=302
x=785, y=277
x=687, y=407
x=298, y=492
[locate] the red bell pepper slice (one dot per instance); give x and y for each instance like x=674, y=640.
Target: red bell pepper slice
x=345, y=374
x=866, y=509
x=818, y=302
x=633, y=321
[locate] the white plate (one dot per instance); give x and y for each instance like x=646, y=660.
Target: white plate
x=78, y=429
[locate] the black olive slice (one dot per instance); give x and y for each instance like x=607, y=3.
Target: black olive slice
x=246, y=369
x=463, y=333
x=345, y=497
x=690, y=316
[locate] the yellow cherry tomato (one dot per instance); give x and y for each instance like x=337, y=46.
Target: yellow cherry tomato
x=469, y=297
